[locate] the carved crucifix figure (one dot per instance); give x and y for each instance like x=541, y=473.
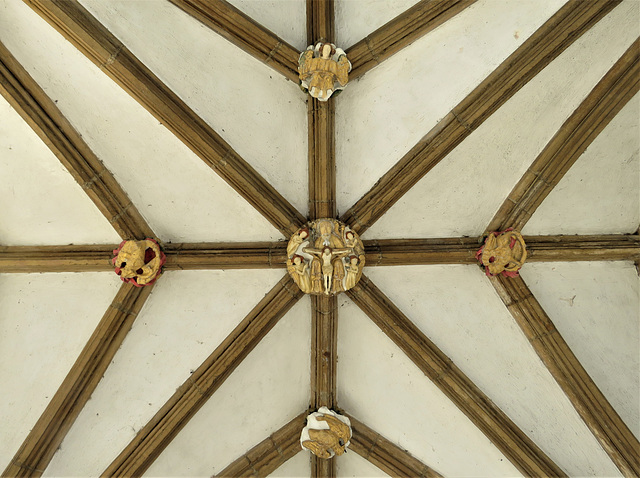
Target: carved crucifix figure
x=327, y=256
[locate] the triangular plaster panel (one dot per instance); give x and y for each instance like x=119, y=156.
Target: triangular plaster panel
x=380, y=117
x=462, y=193
x=459, y=302
x=380, y=386
x=255, y=109
x=188, y=314
x=181, y=197
x=353, y=465
x=355, y=20
x=45, y=322
x=267, y=390
x=286, y=18
x=299, y=465
x=595, y=307
x=41, y=202
x=600, y=194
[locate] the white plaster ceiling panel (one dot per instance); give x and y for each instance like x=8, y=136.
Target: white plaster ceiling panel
x=357, y=19
x=380, y=117
x=45, y=321
x=285, y=18
x=267, y=390
x=600, y=194
x=255, y=109
x=489, y=347
x=353, y=465
x=181, y=197
x=299, y=465
x=41, y=203
x=595, y=306
x=466, y=188
x=188, y=314
x=381, y=387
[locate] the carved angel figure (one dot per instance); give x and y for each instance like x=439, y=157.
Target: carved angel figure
x=323, y=69
x=326, y=434
x=297, y=268
x=503, y=253
x=138, y=262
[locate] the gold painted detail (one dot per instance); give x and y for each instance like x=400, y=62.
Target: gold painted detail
x=503, y=253
x=323, y=69
x=139, y=262
x=325, y=257
x=326, y=433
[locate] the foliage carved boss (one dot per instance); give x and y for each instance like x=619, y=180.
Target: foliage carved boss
x=325, y=257
x=503, y=253
x=326, y=434
x=323, y=69
x=139, y=262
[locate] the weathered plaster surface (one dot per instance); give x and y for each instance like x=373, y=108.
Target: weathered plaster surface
x=256, y=110
x=181, y=197
x=462, y=193
x=263, y=394
x=385, y=390
x=355, y=20
x=299, y=465
x=600, y=194
x=188, y=314
x=595, y=306
x=45, y=321
x=458, y=302
x=383, y=115
x=353, y=465
x=41, y=202
x=285, y=18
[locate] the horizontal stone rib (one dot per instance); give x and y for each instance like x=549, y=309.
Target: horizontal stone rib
x=225, y=255
x=267, y=456
x=596, y=411
x=462, y=250
x=106, y=51
x=386, y=455
x=136, y=458
x=248, y=35
x=549, y=41
x=608, y=97
x=403, y=30
x=46, y=436
x=493, y=422
x=48, y=122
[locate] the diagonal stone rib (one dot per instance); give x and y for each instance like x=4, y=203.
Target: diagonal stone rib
x=462, y=250
x=608, y=97
x=384, y=454
x=400, y=32
x=267, y=456
x=136, y=458
x=48, y=122
x=611, y=432
x=248, y=35
x=546, y=44
x=493, y=422
x=108, y=53
x=46, y=436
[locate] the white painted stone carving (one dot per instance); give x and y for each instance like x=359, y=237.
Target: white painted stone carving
x=326, y=434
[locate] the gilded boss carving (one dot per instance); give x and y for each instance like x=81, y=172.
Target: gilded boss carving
x=139, y=262
x=325, y=257
x=323, y=69
x=503, y=253
x=326, y=433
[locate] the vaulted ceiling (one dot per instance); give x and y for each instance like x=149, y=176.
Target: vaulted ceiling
x=182, y=120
